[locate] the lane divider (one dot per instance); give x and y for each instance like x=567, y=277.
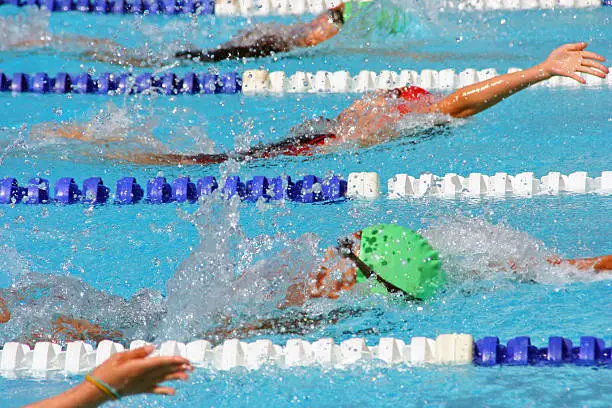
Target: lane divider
x=479, y=5
x=257, y=82
x=450, y=349
x=271, y=7
x=308, y=189
x=170, y=7
x=117, y=84
x=499, y=185
x=264, y=82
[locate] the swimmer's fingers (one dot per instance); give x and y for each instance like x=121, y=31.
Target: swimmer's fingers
x=163, y=391
x=175, y=376
x=592, y=55
x=135, y=354
x=577, y=77
x=591, y=71
x=165, y=364
x=575, y=46
x=596, y=65
x=159, y=374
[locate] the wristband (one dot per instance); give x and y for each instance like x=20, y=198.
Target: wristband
x=111, y=392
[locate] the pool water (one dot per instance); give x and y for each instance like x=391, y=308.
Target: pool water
x=117, y=266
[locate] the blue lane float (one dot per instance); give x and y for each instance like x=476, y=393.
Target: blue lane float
x=107, y=83
x=309, y=189
x=170, y=7
x=519, y=351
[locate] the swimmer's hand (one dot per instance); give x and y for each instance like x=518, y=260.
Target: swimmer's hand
x=569, y=59
x=129, y=373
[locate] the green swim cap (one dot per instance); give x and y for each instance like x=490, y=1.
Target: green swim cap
x=402, y=258
x=348, y=8
x=389, y=19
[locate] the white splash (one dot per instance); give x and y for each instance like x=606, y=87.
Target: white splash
x=25, y=30
x=474, y=249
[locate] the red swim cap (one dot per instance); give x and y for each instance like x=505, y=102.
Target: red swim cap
x=412, y=93
x=409, y=94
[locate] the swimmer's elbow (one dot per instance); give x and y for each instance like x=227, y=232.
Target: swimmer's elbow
x=465, y=113
x=453, y=111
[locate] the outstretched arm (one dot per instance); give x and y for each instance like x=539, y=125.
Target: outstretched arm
x=598, y=264
x=322, y=28
x=567, y=60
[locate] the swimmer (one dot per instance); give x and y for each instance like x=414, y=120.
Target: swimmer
x=262, y=40
x=123, y=374
x=268, y=39
x=391, y=260
x=387, y=259
x=372, y=119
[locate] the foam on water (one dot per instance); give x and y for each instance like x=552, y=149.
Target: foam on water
x=113, y=130
x=474, y=249
x=25, y=30
x=230, y=276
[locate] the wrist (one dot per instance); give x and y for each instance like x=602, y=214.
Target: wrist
x=542, y=72
x=90, y=394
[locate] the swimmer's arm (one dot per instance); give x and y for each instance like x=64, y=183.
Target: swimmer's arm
x=5, y=313
x=129, y=373
x=59, y=130
x=598, y=264
x=566, y=60
x=321, y=29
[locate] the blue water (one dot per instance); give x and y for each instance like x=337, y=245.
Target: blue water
x=121, y=250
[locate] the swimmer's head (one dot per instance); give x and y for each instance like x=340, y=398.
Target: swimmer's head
x=350, y=8
x=410, y=94
x=403, y=259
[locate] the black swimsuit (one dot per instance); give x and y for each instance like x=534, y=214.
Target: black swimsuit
x=263, y=47
x=302, y=145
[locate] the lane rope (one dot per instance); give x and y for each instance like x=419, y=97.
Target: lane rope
x=248, y=8
x=307, y=189
x=261, y=82
x=448, y=349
